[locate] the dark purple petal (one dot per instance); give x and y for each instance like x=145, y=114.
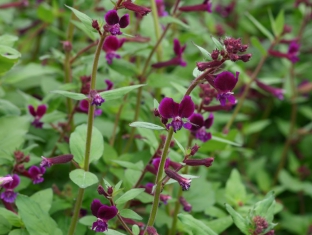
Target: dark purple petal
x=156, y=162
x=293, y=47
x=164, y=198
x=109, y=84
x=32, y=111
x=209, y=121
x=99, y=226
x=110, y=56
x=177, y=47
x=111, y=17
x=226, y=81
x=14, y=183
x=186, y=107
x=177, y=123
x=95, y=206
x=98, y=112
x=231, y=99
x=202, y=135
x=187, y=125
x=111, y=43
x=197, y=121
x=97, y=100
x=222, y=98
x=36, y=174
x=107, y=212
x=84, y=105
x=5, y=180
x=41, y=110
x=168, y=108
x=36, y=123
x=124, y=21
x=8, y=196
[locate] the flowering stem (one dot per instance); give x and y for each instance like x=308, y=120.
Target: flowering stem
x=158, y=181
x=89, y=136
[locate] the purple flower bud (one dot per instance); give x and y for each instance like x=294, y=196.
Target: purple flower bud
x=185, y=183
x=103, y=214
x=137, y=9
x=186, y=206
x=95, y=25
x=101, y=191
x=9, y=195
x=67, y=46
x=225, y=83
x=207, y=162
x=109, y=84
x=245, y=57
x=205, y=6
x=170, y=109
x=151, y=231
x=194, y=150
x=36, y=173
x=114, y=23
x=260, y=224
x=48, y=162
x=206, y=65
x=277, y=92
x=156, y=162
x=164, y=198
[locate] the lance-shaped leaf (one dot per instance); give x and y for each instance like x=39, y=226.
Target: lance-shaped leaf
x=72, y=95
x=239, y=221
x=130, y=214
x=198, y=227
x=129, y=195
x=146, y=125
x=260, y=27
x=119, y=92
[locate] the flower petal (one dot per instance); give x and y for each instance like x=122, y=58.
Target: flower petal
x=177, y=47
x=225, y=81
x=198, y=120
x=111, y=43
x=186, y=107
x=124, y=21
x=41, y=110
x=209, y=121
x=13, y=184
x=84, y=105
x=95, y=206
x=168, y=108
x=231, y=99
x=107, y=212
x=32, y=111
x=111, y=17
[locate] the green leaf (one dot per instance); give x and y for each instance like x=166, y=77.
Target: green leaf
x=129, y=195
x=36, y=220
x=279, y=23
x=156, y=104
x=256, y=126
x=129, y=165
x=113, y=232
x=135, y=229
x=239, y=221
x=147, y=125
x=217, y=43
x=9, y=52
x=219, y=139
x=124, y=67
x=179, y=145
x=6, y=64
x=130, y=214
x=77, y=144
x=87, y=220
x=86, y=20
x=72, y=95
x=260, y=27
x=83, y=178
x=220, y=225
x=257, y=44
x=198, y=227
x=44, y=199
x=11, y=217
x=8, y=40
x=235, y=191
x=19, y=232
x=7, y=108
x=265, y=207
x=170, y=20
x=204, y=52
x=5, y=226
x=45, y=13
x=119, y=92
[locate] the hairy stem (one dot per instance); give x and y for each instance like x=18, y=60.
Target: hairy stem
x=158, y=181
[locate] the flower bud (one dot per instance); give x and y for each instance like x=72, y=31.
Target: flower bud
x=186, y=206
x=185, y=183
x=95, y=25
x=48, y=162
x=151, y=231
x=199, y=162
x=194, y=150
x=101, y=191
x=67, y=46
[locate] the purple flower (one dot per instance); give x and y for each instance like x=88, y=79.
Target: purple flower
x=37, y=114
x=114, y=23
x=135, y=8
x=36, y=173
x=186, y=206
x=226, y=10
x=149, y=189
x=293, y=51
x=110, y=46
x=170, y=109
x=207, y=162
x=161, y=8
x=205, y=6
x=5, y=180
x=277, y=92
x=103, y=213
x=84, y=107
x=225, y=83
x=109, y=84
x=177, y=60
x=156, y=162
x=185, y=183
x=9, y=195
x=199, y=126
x=48, y=162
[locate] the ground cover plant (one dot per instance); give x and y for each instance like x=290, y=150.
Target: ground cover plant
x=155, y=117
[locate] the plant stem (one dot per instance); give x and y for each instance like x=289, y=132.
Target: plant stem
x=158, y=181
x=89, y=136
x=79, y=53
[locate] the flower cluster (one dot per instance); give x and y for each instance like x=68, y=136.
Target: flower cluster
x=114, y=23
x=199, y=126
x=260, y=224
x=37, y=114
x=9, y=195
x=103, y=213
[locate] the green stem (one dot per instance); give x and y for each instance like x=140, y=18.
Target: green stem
x=156, y=26
x=158, y=181
x=89, y=137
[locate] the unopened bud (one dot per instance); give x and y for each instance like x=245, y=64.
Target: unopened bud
x=67, y=46
x=186, y=206
x=101, y=191
x=245, y=57
x=151, y=231
x=48, y=162
x=95, y=25
x=110, y=191
x=207, y=162
x=194, y=150
x=156, y=113
x=215, y=54
x=27, y=159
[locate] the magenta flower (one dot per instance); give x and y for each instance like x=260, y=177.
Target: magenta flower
x=9, y=195
x=36, y=173
x=186, y=206
x=199, y=126
x=135, y=8
x=156, y=162
x=96, y=98
x=48, y=162
x=114, y=23
x=161, y=8
x=109, y=84
x=225, y=83
x=177, y=60
x=37, y=114
x=5, y=180
x=207, y=162
x=277, y=92
x=84, y=107
x=185, y=183
x=103, y=213
x=149, y=188
x=293, y=51
x=170, y=109
x=205, y=6
x=110, y=46
x=226, y=10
